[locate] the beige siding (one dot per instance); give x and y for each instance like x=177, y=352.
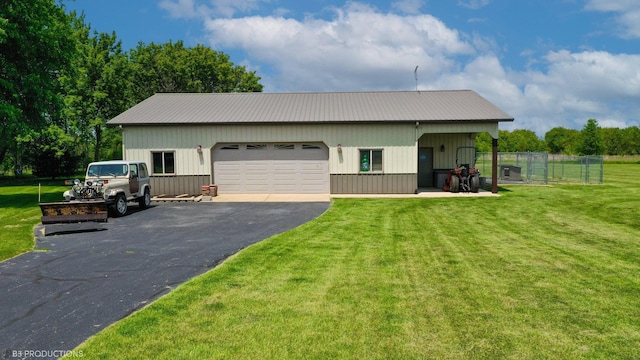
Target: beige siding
x=451, y=142
x=457, y=128
x=398, y=142
x=451, y=136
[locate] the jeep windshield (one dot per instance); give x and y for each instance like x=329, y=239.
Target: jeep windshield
x=107, y=170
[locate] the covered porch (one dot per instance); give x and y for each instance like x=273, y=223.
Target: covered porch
x=437, y=153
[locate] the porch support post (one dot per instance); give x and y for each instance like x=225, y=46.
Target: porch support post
x=494, y=167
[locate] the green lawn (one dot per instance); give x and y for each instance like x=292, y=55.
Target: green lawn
x=19, y=213
x=540, y=272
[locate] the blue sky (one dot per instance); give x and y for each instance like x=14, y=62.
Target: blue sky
x=547, y=63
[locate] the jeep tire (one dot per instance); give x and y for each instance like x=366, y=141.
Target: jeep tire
x=120, y=207
x=145, y=200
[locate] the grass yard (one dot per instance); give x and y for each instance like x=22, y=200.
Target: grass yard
x=19, y=213
x=540, y=272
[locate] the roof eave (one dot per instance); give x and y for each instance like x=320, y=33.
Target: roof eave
x=333, y=122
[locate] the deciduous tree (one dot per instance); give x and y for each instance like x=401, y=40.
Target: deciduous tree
x=172, y=67
x=631, y=140
x=520, y=140
x=484, y=142
x=35, y=45
x=98, y=88
x=50, y=151
x=562, y=141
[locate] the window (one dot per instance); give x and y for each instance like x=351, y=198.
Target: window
x=370, y=160
x=108, y=170
x=284, y=146
x=257, y=147
x=164, y=162
x=310, y=147
x=230, y=147
x=143, y=171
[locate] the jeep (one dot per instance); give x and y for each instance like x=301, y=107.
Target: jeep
x=116, y=182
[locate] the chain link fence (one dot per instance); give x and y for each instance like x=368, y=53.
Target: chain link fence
x=543, y=168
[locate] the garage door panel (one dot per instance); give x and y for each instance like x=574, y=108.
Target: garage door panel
x=284, y=164
x=313, y=166
x=285, y=189
x=283, y=178
x=256, y=166
x=228, y=172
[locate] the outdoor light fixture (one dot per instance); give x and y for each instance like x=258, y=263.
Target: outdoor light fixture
x=339, y=148
x=442, y=148
x=199, y=149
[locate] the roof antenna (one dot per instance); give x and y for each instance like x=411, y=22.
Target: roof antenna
x=415, y=74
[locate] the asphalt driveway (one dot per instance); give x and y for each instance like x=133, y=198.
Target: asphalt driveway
x=56, y=299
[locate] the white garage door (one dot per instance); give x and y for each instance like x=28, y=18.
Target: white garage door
x=283, y=168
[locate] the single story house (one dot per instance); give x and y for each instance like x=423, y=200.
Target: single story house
x=333, y=142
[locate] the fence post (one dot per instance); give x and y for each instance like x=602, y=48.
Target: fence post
x=529, y=167
x=546, y=168
x=586, y=169
x=494, y=166
x=601, y=169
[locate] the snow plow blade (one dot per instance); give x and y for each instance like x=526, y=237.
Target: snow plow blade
x=68, y=212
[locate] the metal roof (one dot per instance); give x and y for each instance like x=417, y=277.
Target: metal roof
x=325, y=107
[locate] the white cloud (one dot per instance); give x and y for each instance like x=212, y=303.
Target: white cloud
x=597, y=75
x=359, y=48
x=611, y=5
x=628, y=14
x=229, y=7
x=573, y=87
x=181, y=9
x=474, y=4
x=186, y=9
x=630, y=20
x=408, y=6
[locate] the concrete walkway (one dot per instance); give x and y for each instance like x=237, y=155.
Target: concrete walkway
x=435, y=193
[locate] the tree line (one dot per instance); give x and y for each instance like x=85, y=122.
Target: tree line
x=591, y=140
x=60, y=82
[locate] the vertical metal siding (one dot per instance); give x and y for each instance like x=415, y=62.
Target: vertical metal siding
x=451, y=142
x=373, y=183
x=457, y=128
x=177, y=185
x=398, y=141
